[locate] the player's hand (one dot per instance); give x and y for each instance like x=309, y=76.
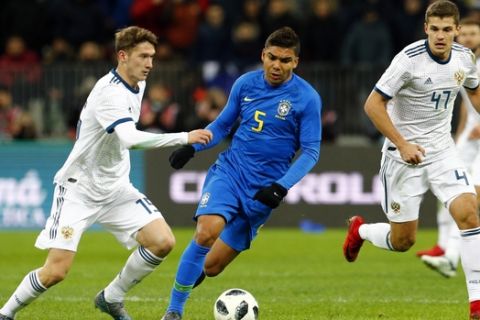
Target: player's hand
x=181, y=156
x=412, y=153
x=272, y=195
x=199, y=136
x=475, y=133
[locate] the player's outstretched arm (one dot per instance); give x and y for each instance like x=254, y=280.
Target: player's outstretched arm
x=179, y=158
x=201, y=136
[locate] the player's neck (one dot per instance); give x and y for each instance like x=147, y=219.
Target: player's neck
x=124, y=75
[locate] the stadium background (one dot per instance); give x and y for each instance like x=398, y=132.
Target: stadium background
x=49, y=65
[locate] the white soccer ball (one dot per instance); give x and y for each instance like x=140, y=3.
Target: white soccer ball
x=235, y=304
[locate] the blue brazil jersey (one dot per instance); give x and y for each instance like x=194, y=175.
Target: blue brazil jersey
x=275, y=123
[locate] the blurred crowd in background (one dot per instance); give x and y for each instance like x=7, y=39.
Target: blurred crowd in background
x=53, y=51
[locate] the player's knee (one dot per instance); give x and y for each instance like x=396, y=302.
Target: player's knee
x=403, y=244
x=52, y=276
x=161, y=246
x=205, y=238
x=213, y=270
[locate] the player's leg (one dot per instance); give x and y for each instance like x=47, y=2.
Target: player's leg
x=445, y=224
x=36, y=282
x=155, y=241
x=192, y=262
x=464, y=211
x=218, y=205
x=401, y=207
x=61, y=235
x=135, y=222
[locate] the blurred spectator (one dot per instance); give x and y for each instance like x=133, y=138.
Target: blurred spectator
x=246, y=44
x=368, y=42
x=117, y=12
x=280, y=13
x=159, y=112
x=212, y=48
x=407, y=23
x=14, y=122
x=183, y=25
x=78, y=21
x=208, y=105
x=18, y=63
x=246, y=36
x=213, y=38
x=323, y=28
x=91, y=52
x=59, y=51
x=27, y=18
x=175, y=21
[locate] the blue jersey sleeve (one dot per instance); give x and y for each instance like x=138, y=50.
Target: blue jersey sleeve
x=310, y=137
x=223, y=124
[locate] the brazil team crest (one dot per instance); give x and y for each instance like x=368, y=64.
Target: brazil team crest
x=283, y=109
x=204, y=200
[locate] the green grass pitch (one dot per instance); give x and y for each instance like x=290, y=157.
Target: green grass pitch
x=293, y=275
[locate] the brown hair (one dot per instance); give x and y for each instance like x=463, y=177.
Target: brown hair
x=129, y=37
x=470, y=22
x=284, y=37
x=442, y=9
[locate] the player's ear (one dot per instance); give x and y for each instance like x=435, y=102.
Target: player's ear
x=263, y=55
x=122, y=56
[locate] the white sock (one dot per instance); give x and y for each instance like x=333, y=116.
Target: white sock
x=139, y=265
x=445, y=225
x=469, y=245
x=27, y=291
x=452, y=251
x=377, y=233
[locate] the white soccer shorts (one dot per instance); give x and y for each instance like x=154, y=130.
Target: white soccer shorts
x=404, y=185
x=127, y=212
x=469, y=152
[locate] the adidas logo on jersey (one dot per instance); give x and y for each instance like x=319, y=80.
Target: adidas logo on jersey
x=428, y=81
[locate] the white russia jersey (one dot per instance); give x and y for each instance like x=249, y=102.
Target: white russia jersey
x=473, y=118
x=422, y=90
x=98, y=164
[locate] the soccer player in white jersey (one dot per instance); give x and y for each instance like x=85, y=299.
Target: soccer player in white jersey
x=444, y=257
x=93, y=185
x=411, y=105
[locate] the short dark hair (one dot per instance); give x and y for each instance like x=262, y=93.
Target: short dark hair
x=284, y=37
x=470, y=22
x=442, y=9
x=129, y=37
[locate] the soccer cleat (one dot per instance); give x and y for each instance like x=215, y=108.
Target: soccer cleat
x=436, y=251
x=440, y=264
x=475, y=310
x=2, y=317
x=172, y=315
x=115, y=309
x=353, y=242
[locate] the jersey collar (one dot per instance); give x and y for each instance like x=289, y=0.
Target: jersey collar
x=116, y=75
x=435, y=58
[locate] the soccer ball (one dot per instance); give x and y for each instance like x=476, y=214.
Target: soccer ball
x=235, y=304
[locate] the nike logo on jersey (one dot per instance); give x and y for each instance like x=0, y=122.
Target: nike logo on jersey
x=247, y=99
x=428, y=81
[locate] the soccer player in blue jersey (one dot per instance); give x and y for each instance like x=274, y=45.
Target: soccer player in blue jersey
x=280, y=114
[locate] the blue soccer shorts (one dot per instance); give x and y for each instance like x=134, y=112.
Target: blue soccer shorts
x=224, y=195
